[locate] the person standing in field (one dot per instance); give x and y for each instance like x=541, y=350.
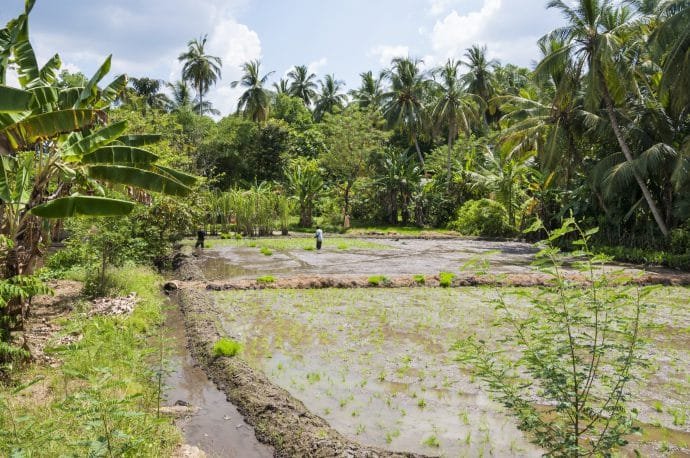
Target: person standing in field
x=200, y=236
x=319, y=238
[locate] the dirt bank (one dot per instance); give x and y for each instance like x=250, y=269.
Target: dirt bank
x=317, y=282
x=278, y=418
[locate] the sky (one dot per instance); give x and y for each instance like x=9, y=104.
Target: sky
x=344, y=37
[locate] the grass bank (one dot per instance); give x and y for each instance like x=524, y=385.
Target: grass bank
x=102, y=399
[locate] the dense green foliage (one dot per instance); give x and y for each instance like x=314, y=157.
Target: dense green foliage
x=482, y=217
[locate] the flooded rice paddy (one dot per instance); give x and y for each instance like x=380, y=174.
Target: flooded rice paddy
x=376, y=363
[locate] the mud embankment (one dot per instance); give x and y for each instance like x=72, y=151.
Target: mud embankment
x=518, y=280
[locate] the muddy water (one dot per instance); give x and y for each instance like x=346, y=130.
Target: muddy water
x=218, y=428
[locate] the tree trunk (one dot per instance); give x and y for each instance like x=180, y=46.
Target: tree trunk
x=450, y=149
x=346, y=199
x=629, y=157
x=419, y=152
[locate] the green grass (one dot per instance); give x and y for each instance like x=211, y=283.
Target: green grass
x=376, y=280
x=266, y=279
x=226, y=347
x=445, y=279
x=420, y=279
x=266, y=251
x=103, y=399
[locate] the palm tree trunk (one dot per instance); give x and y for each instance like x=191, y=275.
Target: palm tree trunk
x=629, y=157
x=450, y=149
x=419, y=152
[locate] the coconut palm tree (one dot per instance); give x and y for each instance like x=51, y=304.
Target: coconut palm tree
x=453, y=107
x=480, y=80
x=370, y=93
x=200, y=69
x=594, y=38
x=330, y=97
x=282, y=86
x=149, y=91
x=255, y=100
x=302, y=85
x=403, y=107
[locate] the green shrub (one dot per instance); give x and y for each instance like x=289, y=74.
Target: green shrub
x=445, y=279
x=377, y=280
x=484, y=217
x=420, y=279
x=266, y=279
x=226, y=347
x=680, y=241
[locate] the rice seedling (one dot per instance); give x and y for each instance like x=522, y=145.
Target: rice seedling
x=266, y=251
x=376, y=280
x=432, y=441
x=266, y=279
x=445, y=279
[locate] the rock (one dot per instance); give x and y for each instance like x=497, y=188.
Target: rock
x=180, y=402
x=179, y=411
x=189, y=451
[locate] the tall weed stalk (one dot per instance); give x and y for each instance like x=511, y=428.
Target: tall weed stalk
x=565, y=364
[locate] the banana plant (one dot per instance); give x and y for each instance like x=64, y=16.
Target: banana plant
x=58, y=150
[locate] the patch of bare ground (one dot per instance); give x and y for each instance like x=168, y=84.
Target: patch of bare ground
x=277, y=417
x=41, y=327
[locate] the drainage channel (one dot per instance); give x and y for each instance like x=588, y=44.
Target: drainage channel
x=213, y=424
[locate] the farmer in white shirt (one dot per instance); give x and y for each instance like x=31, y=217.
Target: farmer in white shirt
x=319, y=238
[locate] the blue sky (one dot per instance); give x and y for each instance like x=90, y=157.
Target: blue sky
x=344, y=37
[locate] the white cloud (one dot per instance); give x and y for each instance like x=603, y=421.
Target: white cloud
x=386, y=53
x=317, y=65
x=455, y=32
x=235, y=44
x=438, y=7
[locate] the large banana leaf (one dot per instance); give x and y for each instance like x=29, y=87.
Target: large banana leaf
x=144, y=179
x=74, y=150
x=91, y=88
x=27, y=131
x=24, y=56
x=111, y=91
x=184, y=178
x=68, y=97
x=119, y=155
x=13, y=100
x=44, y=97
x=67, y=207
x=139, y=140
x=49, y=72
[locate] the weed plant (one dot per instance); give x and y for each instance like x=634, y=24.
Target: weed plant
x=420, y=279
x=266, y=251
x=266, y=279
x=579, y=349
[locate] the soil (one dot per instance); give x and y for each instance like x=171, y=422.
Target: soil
x=46, y=310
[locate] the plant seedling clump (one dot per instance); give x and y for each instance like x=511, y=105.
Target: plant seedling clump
x=226, y=347
x=376, y=280
x=445, y=279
